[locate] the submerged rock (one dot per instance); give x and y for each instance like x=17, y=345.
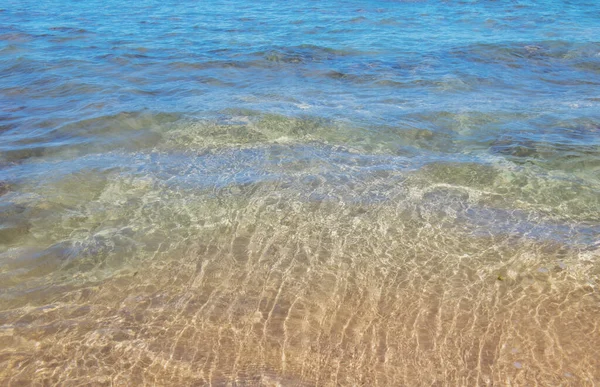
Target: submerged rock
x=4, y=187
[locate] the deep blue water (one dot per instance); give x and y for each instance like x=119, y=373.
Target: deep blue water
x=369, y=62
x=133, y=132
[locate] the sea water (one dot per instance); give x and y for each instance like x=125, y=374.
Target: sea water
x=299, y=193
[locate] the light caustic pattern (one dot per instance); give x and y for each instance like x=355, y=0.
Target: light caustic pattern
x=299, y=263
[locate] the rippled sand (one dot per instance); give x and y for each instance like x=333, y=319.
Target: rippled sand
x=363, y=277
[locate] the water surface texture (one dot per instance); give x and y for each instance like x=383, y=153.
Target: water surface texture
x=304, y=193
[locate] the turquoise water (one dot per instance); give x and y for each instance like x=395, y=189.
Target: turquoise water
x=324, y=193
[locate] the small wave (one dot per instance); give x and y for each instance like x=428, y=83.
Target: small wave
x=539, y=54
x=69, y=30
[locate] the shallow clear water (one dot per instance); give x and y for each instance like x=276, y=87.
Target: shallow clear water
x=326, y=193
